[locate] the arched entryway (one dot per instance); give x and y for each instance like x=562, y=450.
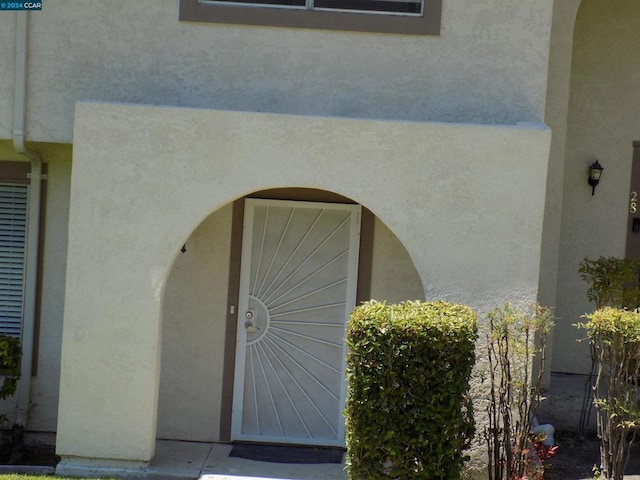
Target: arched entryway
x=602, y=123
x=199, y=373
x=133, y=204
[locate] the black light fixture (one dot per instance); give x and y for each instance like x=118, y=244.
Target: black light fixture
x=595, y=171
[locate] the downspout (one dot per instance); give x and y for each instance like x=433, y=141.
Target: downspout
x=33, y=223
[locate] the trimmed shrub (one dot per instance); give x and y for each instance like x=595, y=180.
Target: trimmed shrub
x=408, y=413
x=614, y=336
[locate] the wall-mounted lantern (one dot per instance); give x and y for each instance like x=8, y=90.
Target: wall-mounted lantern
x=595, y=171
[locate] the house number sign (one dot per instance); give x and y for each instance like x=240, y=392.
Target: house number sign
x=633, y=202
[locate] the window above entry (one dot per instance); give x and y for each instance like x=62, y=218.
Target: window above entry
x=410, y=17
x=411, y=7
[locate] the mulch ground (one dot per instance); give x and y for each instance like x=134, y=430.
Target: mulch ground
x=43, y=455
x=575, y=458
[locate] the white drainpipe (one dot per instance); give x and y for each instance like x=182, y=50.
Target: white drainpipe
x=31, y=268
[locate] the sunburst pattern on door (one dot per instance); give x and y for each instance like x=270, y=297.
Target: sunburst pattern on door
x=297, y=287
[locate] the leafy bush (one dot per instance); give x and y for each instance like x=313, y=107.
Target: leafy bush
x=408, y=413
x=10, y=356
x=613, y=282
x=614, y=335
x=515, y=368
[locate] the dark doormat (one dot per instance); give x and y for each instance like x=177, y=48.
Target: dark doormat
x=287, y=453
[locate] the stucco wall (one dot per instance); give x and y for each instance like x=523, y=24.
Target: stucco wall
x=603, y=122
x=194, y=322
x=193, y=334
x=393, y=275
x=488, y=65
x=145, y=177
x=44, y=393
x=564, y=15
x=193, y=310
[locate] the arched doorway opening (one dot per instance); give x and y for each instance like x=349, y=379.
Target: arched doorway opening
x=603, y=122
x=200, y=311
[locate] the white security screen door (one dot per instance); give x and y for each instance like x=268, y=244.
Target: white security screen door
x=297, y=287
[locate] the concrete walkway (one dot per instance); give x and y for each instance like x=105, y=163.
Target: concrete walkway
x=178, y=460
x=211, y=461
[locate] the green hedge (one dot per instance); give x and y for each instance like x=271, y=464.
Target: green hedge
x=10, y=356
x=408, y=415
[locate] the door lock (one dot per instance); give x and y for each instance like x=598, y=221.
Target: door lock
x=249, y=326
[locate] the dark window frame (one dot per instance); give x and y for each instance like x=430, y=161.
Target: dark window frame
x=426, y=24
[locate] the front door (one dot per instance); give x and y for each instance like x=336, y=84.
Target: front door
x=297, y=287
x=633, y=222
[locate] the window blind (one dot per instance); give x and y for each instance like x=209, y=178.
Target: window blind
x=407, y=7
x=13, y=223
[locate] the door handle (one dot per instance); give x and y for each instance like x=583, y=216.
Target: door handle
x=249, y=326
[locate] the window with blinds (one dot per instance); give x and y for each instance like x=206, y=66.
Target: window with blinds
x=13, y=225
x=406, y=17
x=364, y=6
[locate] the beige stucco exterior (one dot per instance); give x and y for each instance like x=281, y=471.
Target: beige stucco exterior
x=470, y=148
x=488, y=65
x=44, y=395
x=193, y=326
x=137, y=222
x=564, y=14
